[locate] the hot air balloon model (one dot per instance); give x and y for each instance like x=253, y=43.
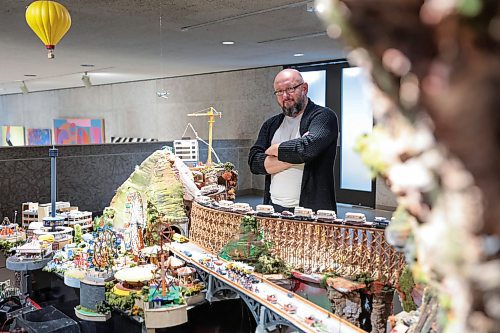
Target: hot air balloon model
x=50, y=21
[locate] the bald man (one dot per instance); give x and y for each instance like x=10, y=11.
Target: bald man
x=296, y=149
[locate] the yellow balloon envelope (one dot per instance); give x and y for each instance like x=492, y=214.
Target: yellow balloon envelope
x=50, y=21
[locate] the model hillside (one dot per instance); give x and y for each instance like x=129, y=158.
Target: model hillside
x=156, y=181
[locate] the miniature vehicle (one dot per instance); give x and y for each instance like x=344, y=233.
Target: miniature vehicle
x=290, y=308
x=264, y=209
x=272, y=299
x=310, y=320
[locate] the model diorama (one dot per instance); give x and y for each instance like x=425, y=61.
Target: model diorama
x=216, y=179
x=125, y=261
x=34, y=250
x=315, y=248
x=11, y=234
x=299, y=213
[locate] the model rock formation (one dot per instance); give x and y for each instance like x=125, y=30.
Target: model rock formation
x=155, y=181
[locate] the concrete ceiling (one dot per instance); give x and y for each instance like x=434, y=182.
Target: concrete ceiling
x=125, y=40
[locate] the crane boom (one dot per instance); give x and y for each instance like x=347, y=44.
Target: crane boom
x=211, y=114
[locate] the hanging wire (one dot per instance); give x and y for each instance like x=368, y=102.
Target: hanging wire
x=162, y=92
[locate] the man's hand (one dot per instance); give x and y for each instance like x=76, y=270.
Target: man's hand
x=273, y=150
x=273, y=165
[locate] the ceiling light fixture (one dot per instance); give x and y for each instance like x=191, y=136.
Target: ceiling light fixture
x=23, y=87
x=298, y=55
x=86, y=80
x=228, y=42
x=292, y=38
x=231, y=18
x=318, y=7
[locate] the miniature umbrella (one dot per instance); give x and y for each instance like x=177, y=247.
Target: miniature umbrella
x=50, y=21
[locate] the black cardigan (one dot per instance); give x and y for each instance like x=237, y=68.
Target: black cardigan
x=317, y=150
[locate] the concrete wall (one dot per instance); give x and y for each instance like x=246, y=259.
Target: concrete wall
x=88, y=175
x=384, y=198
x=133, y=109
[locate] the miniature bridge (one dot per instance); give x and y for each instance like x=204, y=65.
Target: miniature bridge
x=308, y=317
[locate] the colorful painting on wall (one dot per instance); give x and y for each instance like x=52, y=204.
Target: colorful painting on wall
x=70, y=131
x=38, y=137
x=12, y=136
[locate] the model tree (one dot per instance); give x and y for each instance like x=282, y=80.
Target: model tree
x=436, y=71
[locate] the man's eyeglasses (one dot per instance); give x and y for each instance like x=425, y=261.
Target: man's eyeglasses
x=289, y=91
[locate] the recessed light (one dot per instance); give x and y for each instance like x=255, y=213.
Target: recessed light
x=228, y=42
x=298, y=55
x=87, y=65
x=30, y=75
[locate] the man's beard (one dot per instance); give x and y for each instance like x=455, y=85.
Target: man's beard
x=293, y=110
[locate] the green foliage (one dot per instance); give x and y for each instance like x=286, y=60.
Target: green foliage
x=109, y=285
x=469, y=8
x=154, y=217
x=363, y=278
x=109, y=214
x=368, y=146
x=192, y=289
x=248, y=245
x=123, y=303
x=228, y=166
x=97, y=222
x=405, y=286
x=249, y=224
x=78, y=233
x=6, y=246
x=103, y=307
x=272, y=264
x=105, y=219
x=325, y=277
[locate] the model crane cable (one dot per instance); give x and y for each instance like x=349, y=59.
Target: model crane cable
x=161, y=93
x=200, y=139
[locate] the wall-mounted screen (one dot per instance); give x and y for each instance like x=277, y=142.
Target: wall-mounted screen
x=316, y=81
x=357, y=119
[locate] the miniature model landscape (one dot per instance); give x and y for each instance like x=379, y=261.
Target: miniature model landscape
x=134, y=258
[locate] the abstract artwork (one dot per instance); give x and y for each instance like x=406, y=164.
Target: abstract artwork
x=38, y=137
x=12, y=136
x=71, y=131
